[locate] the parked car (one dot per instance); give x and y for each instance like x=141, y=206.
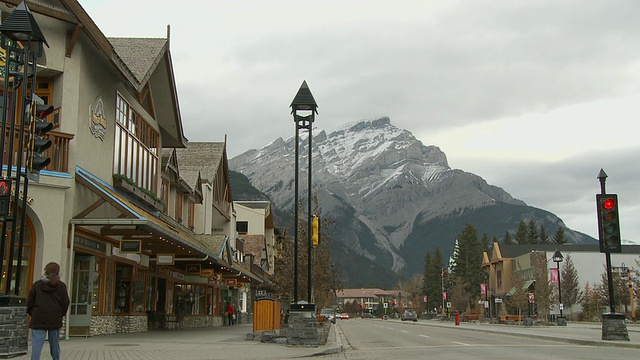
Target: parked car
x=344, y=316
x=409, y=314
x=329, y=314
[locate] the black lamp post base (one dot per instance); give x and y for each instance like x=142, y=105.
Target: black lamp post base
x=562, y=321
x=614, y=327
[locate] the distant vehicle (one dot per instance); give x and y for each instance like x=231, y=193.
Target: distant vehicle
x=344, y=316
x=329, y=314
x=409, y=314
x=428, y=315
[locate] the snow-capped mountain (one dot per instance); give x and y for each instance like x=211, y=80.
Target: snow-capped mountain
x=392, y=197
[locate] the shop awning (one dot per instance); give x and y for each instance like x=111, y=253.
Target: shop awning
x=116, y=216
x=525, y=286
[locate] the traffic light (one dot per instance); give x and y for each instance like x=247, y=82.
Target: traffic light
x=315, y=234
x=608, y=223
x=38, y=127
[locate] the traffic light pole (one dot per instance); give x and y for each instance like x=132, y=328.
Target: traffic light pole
x=613, y=325
x=602, y=177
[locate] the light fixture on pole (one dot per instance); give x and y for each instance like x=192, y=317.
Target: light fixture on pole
x=557, y=258
x=303, y=108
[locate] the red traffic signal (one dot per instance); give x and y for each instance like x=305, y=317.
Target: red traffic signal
x=608, y=223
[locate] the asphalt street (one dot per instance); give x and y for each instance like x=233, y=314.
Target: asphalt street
x=231, y=342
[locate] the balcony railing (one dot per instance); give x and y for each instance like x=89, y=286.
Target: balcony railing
x=58, y=152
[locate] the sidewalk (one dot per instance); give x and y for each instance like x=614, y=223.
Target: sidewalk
x=575, y=332
x=226, y=342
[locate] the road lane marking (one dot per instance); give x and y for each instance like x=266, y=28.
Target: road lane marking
x=424, y=336
x=459, y=343
x=404, y=331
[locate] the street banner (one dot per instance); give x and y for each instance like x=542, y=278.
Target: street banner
x=483, y=289
x=554, y=275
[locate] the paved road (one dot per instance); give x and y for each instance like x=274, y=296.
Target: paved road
x=230, y=343
x=377, y=339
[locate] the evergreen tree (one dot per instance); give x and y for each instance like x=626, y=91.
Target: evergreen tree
x=468, y=262
x=486, y=244
x=522, y=234
x=433, y=280
x=532, y=232
x=570, y=283
x=558, y=237
x=425, y=272
x=544, y=238
x=507, y=239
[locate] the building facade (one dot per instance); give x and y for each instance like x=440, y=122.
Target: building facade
x=143, y=235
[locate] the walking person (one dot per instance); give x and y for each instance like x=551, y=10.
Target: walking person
x=230, y=314
x=47, y=304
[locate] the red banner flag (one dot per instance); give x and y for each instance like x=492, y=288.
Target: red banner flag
x=554, y=275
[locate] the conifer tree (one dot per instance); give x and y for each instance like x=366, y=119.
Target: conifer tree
x=486, y=244
x=432, y=281
x=425, y=271
x=544, y=238
x=558, y=237
x=570, y=284
x=522, y=234
x=468, y=267
x=532, y=232
x=507, y=240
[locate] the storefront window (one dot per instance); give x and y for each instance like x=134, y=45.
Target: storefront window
x=97, y=280
x=191, y=299
x=137, y=299
x=25, y=281
x=109, y=287
x=123, y=288
x=151, y=294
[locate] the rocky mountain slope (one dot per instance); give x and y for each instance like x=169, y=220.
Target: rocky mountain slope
x=391, y=197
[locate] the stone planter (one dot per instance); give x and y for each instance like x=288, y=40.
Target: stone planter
x=137, y=193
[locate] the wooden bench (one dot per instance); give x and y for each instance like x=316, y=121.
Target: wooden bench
x=471, y=317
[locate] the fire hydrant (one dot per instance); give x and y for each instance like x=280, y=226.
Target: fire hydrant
x=457, y=318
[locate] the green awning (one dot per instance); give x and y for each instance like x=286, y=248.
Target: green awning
x=526, y=285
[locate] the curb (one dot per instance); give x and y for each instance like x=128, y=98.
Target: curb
x=332, y=349
x=610, y=343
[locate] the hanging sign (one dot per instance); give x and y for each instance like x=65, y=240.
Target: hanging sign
x=130, y=246
x=165, y=259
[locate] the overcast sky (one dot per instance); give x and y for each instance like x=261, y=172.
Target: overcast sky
x=534, y=96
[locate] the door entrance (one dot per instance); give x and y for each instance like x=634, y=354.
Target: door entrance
x=81, y=298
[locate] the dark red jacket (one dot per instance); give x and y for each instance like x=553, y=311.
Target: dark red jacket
x=47, y=305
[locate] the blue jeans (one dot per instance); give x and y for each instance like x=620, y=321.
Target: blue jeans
x=37, y=342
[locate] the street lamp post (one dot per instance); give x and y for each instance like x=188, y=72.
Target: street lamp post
x=557, y=258
x=303, y=108
x=487, y=311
